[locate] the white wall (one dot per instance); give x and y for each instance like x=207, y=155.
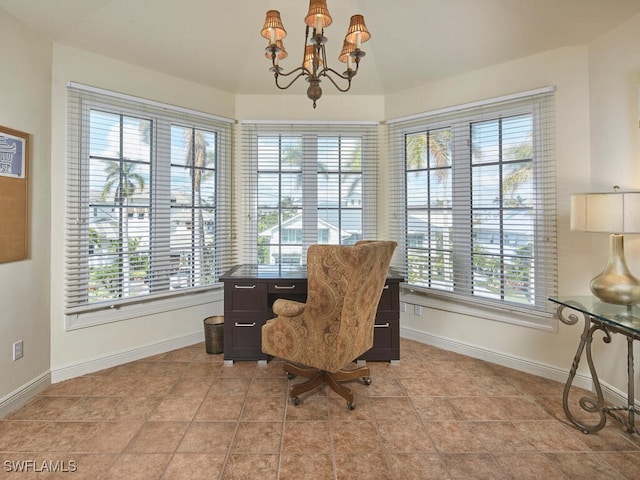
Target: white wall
x=79, y=351
x=24, y=285
x=615, y=151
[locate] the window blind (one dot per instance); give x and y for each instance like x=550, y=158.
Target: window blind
x=148, y=199
x=306, y=184
x=474, y=206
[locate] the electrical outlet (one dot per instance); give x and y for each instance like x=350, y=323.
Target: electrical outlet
x=417, y=310
x=403, y=306
x=17, y=350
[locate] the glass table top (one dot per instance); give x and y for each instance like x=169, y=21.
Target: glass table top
x=626, y=316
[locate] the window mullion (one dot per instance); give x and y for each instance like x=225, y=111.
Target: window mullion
x=160, y=261
x=462, y=207
x=309, y=192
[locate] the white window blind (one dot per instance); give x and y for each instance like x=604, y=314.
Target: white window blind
x=148, y=200
x=307, y=184
x=475, y=205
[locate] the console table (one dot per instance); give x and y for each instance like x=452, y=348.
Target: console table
x=608, y=318
x=249, y=293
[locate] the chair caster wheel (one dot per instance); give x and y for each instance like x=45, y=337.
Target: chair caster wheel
x=351, y=405
x=366, y=380
x=291, y=376
x=295, y=400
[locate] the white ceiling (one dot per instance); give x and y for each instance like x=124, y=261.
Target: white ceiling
x=413, y=42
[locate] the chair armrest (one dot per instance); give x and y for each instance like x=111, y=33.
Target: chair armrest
x=287, y=308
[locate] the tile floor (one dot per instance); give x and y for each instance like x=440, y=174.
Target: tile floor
x=185, y=415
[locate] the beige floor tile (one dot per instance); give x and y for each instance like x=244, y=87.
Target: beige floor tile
x=417, y=466
x=408, y=437
x=243, y=466
x=437, y=414
x=158, y=437
x=307, y=437
x=194, y=466
x=355, y=437
x=473, y=466
x=585, y=465
x=176, y=408
x=529, y=466
x=44, y=408
x=298, y=466
x=258, y=437
x=108, y=437
x=220, y=409
x=360, y=466
x=208, y=437
x=140, y=466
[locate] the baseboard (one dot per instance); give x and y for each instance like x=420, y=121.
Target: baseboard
x=108, y=361
x=23, y=394
x=611, y=394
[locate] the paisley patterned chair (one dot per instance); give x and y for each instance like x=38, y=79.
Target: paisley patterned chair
x=317, y=339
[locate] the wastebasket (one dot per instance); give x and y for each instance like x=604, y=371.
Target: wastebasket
x=214, y=334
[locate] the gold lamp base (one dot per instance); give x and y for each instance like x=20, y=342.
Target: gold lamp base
x=616, y=284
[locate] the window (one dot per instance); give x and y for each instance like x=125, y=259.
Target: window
x=146, y=193
x=309, y=184
x=479, y=202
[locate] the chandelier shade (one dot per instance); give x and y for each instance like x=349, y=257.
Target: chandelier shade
x=318, y=16
x=273, y=29
x=314, y=67
x=347, y=49
x=309, y=56
x=358, y=32
x=280, y=54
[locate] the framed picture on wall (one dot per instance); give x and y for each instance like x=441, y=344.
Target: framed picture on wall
x=14, y=148
x=14, y=195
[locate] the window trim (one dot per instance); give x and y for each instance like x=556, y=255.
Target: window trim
x=449, y=301
x=82, y=99
x=252, y=130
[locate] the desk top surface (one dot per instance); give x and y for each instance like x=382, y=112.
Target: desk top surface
x=626, y=317
x=268, y=272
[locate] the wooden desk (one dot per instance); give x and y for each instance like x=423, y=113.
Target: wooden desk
x=249, y=293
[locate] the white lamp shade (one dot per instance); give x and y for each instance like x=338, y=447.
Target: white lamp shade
x=614, y=212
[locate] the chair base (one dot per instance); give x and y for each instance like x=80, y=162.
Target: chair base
x=319, y=377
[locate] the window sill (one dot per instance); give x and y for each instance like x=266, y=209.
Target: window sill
x=426, y=299
x=126, y=312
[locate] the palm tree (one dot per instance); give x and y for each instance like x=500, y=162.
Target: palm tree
x=127, y=183
x=196, y=159
x=437, y=144
x=123, y=177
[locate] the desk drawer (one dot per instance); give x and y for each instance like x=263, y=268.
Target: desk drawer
x=288, y=286
x=247, y=298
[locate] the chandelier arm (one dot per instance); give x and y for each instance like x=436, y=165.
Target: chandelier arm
x=302, y=70
x=301, y=74
x=325, y=73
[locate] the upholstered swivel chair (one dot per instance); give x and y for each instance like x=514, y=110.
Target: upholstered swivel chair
x=317, y=339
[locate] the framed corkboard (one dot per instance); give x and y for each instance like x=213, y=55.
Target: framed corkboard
x=14, y=194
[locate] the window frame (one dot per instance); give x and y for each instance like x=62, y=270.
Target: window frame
x=461, y=119
x=310, y=216
x=80, y=312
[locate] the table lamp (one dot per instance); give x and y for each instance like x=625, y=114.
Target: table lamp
x=616, y=213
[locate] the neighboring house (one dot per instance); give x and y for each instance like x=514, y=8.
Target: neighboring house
x=286, y=240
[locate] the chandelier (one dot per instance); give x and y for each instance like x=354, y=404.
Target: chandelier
x=314, y=62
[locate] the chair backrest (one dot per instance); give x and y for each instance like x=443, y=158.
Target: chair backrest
x=344, y=287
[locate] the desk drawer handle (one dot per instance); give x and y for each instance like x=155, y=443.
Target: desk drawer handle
x=284, y=287
x=245, y=324
x=245, y=286
x=381, y=325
